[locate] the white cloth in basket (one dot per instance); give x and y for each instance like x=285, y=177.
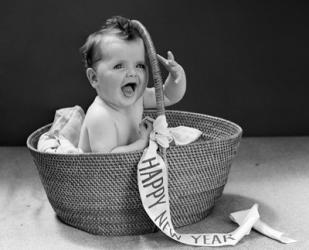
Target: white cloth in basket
x=64, y=133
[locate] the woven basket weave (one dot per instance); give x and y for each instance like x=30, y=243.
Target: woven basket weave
x=98, y=193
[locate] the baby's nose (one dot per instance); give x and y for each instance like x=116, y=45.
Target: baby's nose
x=131, y=72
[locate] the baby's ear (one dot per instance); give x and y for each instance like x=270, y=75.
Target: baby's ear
x=92, y=77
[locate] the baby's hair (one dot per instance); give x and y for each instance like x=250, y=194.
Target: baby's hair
x=117, y=25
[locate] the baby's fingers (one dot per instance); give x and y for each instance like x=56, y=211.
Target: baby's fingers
x=170, y=56
x=146, y=124
x=169, y=62
x=148, y=118
x=164, y=61
x=172, y=66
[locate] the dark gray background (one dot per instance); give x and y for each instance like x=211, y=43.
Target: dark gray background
x=245, y=61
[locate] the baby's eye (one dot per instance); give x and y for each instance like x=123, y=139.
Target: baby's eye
x=118, y=66
x=141, y=66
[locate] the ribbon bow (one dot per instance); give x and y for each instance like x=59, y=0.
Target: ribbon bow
x=160, y=133
x=180, y=135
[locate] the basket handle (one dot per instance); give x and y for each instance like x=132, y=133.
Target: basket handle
x=154, y=64
x=156, y=73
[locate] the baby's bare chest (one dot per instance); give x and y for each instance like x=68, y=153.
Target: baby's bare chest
x=128, y=126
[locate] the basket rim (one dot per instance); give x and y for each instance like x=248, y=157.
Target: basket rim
x=204, y=142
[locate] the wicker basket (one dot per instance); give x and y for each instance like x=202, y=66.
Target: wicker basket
x=98, y=193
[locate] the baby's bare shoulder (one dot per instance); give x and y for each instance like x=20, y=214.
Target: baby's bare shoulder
x=97, y=114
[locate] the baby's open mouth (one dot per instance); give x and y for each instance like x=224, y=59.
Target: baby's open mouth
x=129, y=89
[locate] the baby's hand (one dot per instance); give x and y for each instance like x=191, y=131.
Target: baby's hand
x=176, y=72
x=145, y=129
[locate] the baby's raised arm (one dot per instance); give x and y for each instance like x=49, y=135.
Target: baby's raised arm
x=174, y=87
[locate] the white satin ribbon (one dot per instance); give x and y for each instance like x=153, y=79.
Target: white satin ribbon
x=262, y=227
x=180, y=135
x=153, y=188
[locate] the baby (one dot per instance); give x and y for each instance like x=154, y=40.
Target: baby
x=116, y=68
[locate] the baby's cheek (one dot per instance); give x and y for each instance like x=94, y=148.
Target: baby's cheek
x=145, y=77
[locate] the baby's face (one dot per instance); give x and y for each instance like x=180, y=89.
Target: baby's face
x=122, y=74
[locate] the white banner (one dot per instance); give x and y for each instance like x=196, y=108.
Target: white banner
x=153, y=188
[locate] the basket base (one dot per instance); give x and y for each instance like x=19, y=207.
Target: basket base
x=112, y=229
x=129, y=229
